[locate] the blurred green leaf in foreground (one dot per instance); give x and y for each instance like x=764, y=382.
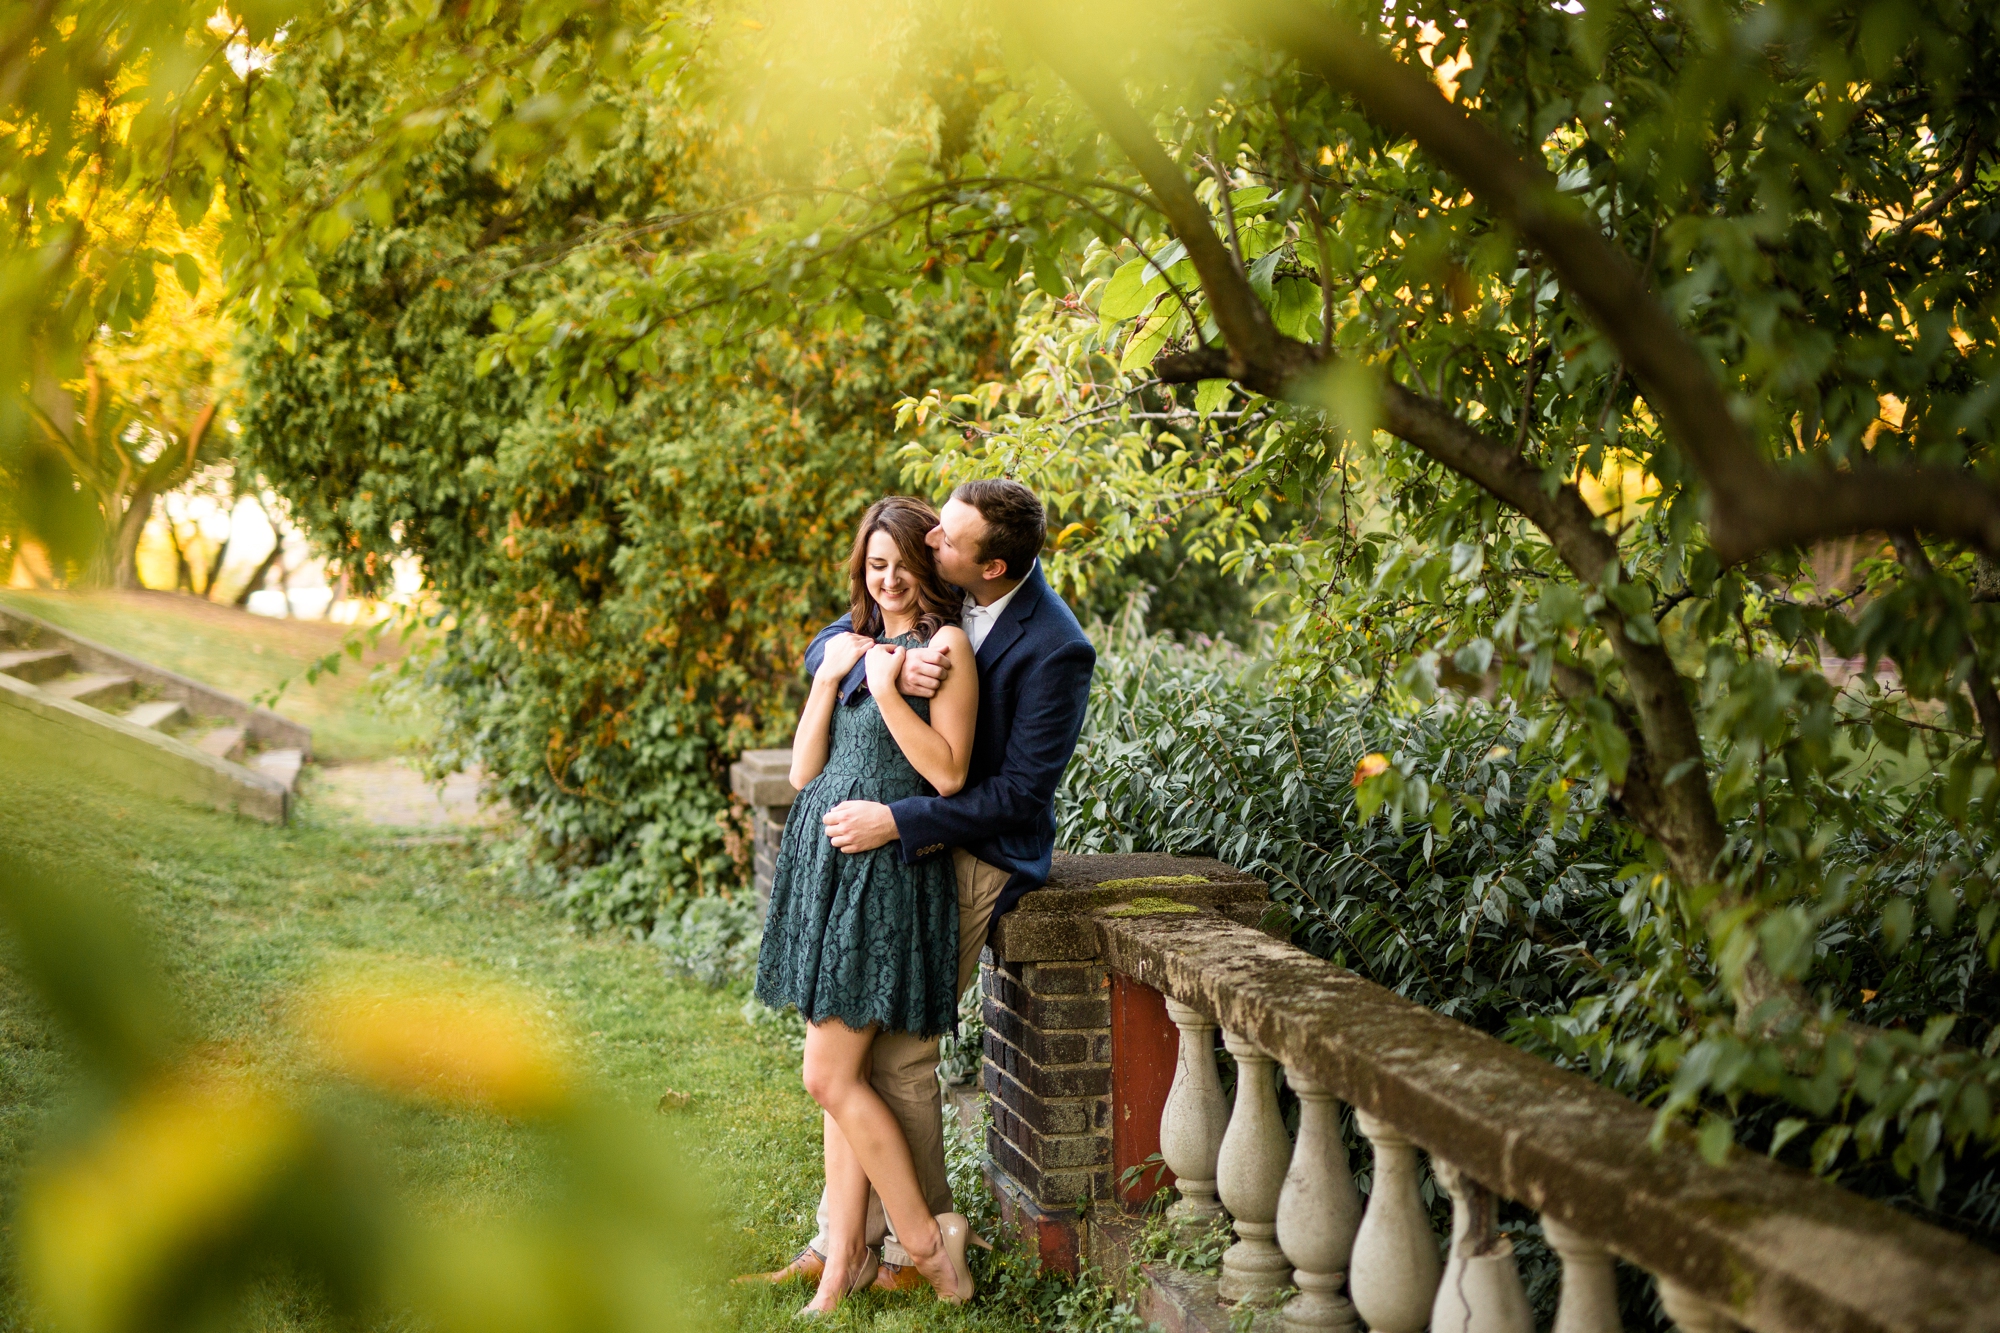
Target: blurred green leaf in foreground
x=180, y=1177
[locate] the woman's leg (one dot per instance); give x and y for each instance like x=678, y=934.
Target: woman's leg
x=836, y=1074
x=846, y=1217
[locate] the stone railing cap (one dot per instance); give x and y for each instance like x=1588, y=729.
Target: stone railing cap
x=1054, y=922
x=763, y=777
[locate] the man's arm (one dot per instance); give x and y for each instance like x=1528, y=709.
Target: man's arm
x=1038, y=749
x=816, y=650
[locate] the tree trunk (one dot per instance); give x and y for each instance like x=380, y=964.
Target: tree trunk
x=215, y=568
x=122, y=554
x=258, y=575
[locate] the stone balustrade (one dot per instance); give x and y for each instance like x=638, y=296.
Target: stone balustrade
x=1748, y=1244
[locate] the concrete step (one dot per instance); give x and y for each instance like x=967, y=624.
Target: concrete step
x=95, y=690
x=283, y=765
x=35, y=665
x=223, y=743
x=158, y=715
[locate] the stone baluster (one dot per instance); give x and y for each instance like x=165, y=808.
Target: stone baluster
x=1589, y=1302
x=1393, y=1274
x=1692, y=1313
x=1318, y=1214
x=1481, y=1289
x=1192, y=1122
x=1250, y=1174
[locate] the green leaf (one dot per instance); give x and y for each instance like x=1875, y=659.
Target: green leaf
x=1125, y=295
x=1717, y=1137
x=1898, y=920
x=1211, y=396
x=189, y=273
x=1826, y=1148
x=1786, y=939
x=1942, y=902
x=1048, y=274
x=1147, y=340
x=1786, y=1130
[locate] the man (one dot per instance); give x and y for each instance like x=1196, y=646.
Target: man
x=1034, y=685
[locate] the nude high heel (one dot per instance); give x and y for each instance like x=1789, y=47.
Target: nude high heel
x=862, y=1276
x=954, y=1233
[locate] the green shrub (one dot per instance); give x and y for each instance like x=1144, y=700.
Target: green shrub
x=1487, y=911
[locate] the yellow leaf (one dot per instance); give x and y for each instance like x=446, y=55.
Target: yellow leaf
x=483, y=1050
x=177, y=1168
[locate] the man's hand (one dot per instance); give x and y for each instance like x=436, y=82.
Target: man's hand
x=924, y=670
x=860, y=826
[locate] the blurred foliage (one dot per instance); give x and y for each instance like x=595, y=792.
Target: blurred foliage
x=143, y=160
x=180, y=1178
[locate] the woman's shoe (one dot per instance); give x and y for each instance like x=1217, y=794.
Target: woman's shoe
x=862, y=1276
x=954, y=1233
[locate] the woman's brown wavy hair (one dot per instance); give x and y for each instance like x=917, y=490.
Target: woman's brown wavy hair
x=907, y=520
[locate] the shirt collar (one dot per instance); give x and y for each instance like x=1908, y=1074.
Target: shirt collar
x=999, y=604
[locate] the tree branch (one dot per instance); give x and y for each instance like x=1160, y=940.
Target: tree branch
x=1752, y=506
x=1941, y=198
x=1985, y=701
x=1681, y=815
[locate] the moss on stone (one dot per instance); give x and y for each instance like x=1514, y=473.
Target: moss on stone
x=1151, y=882
x=1151, y=907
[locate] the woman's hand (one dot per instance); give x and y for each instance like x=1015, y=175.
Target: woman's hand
x=841, y=653
x=885, y=663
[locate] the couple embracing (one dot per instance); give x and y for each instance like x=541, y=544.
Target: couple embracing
x=943, y=710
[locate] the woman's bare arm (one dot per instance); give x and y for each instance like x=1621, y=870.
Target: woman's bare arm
x=941, y=749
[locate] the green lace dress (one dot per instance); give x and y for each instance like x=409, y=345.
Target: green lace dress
x=863, y=938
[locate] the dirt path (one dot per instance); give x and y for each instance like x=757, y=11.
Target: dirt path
x=392, y=793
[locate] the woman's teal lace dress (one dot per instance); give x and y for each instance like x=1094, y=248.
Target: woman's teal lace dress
x=865, y=939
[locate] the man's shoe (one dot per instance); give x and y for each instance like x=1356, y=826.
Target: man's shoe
x=899, y=1277
x=807, y=1266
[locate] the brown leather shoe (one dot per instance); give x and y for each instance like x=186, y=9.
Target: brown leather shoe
x=899, y=1277
x=806, y=1266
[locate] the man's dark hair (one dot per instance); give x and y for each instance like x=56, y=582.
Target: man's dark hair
x=1015, y=525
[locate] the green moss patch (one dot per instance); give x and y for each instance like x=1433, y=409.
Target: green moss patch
x=1152, y=882
x=1152, y=907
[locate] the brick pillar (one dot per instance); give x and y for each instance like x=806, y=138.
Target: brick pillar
x=761, y=779
x=1062, y=1056
x=1047, y=1076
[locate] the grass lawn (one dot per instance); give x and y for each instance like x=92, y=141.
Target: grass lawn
x=242, y=654
x=244, y=915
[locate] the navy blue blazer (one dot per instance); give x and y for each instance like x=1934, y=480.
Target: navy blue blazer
x=1034, y=687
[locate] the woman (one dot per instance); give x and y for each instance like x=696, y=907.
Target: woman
x=864, y=943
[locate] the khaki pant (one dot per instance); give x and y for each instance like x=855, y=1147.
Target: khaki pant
x=903, y=1067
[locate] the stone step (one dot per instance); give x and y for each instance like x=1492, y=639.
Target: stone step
x=95, y=690
x=283, y=765
x=158, y=715
x=35, y=665
x=223, y=743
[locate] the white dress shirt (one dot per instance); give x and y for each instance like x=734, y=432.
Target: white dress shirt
x=978, y=621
